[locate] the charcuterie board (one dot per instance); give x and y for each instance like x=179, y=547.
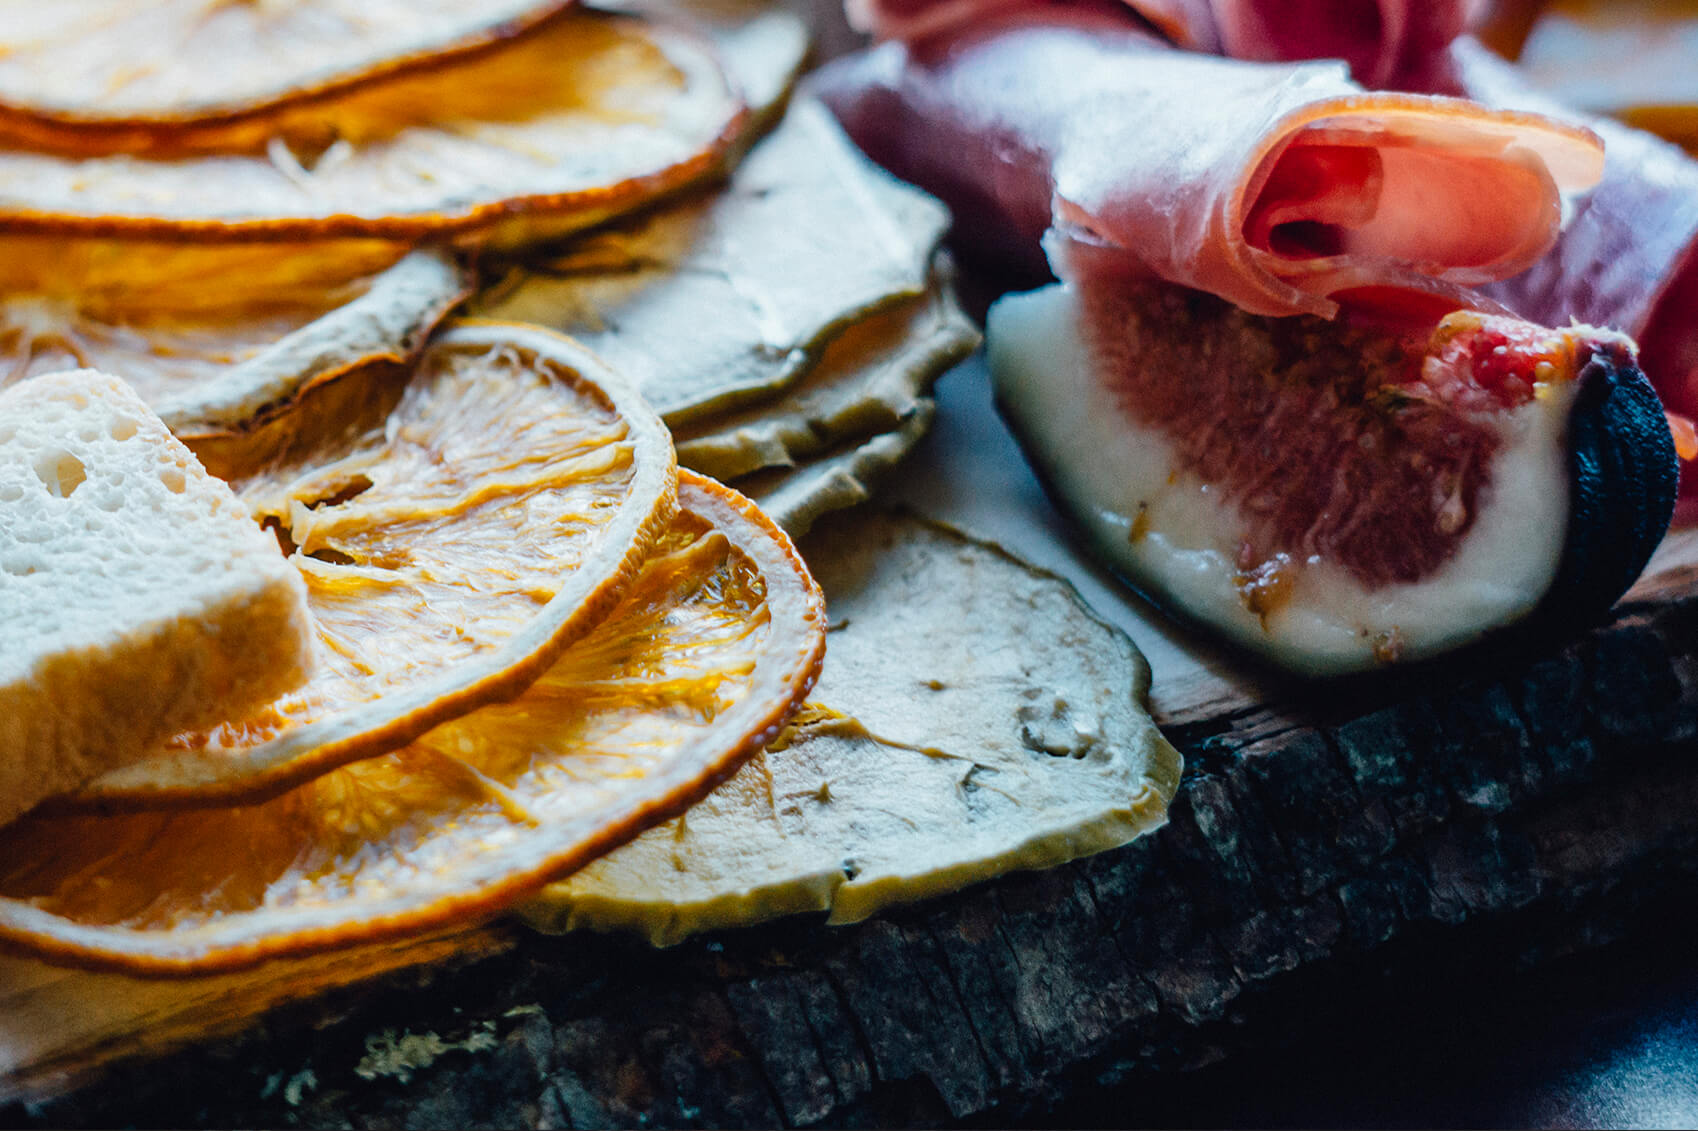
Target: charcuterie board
x=1528, y=798
x=1522, y=795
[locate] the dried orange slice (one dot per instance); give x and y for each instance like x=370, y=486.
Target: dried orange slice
x=454, y=536
x=211, y=336
x=73, y=63
x=696, y=669
x=586, y=115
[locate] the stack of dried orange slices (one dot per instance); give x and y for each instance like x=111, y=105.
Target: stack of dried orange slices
x=507, y=518
x=208, y=185
x=537, y=636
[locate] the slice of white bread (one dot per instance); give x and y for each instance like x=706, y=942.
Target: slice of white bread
x=138, y=598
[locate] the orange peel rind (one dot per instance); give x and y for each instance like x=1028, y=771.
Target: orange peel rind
x=699, y=666
x=389, y=324
x=453, y=538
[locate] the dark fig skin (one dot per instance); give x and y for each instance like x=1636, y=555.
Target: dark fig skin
x=1623, y=478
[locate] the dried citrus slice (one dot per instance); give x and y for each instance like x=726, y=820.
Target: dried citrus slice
x=731, y=297
x=93, y=63
x=869, y=379
x=211, y=336
x=974, y=717
x=453, y=535
x=586, y=115
x=720, y=636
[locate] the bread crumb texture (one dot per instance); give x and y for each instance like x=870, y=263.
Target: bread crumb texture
x=140, y=599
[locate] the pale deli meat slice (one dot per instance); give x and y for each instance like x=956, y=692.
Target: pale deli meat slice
x=1284, y=188
x=973, y=718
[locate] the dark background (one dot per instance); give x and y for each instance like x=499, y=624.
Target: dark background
x=1606, y=1039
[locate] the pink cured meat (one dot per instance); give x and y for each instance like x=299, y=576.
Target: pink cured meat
x=1387, y=43
x=1280, y=187
x=1629, y=257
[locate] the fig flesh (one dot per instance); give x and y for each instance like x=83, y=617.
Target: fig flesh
x=1339, y=496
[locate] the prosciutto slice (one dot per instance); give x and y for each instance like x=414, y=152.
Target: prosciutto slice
x=1284, y=188
x=1629, y=257
x=1387, y=43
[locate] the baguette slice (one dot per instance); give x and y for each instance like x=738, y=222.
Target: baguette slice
x=138, y=596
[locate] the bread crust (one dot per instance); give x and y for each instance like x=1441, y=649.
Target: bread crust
x=141, y=599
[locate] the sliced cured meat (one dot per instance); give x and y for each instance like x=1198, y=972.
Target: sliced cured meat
x=1281, y=188
x=1269, y=392
x=1391, y=43
x=1336, y=495
x=1629, y=257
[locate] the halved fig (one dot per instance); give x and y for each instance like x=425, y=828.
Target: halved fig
x=1338, y=496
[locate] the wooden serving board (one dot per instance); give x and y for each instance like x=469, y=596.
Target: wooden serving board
x=1538, y=799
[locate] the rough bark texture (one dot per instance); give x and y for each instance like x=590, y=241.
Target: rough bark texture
x=1507, y=812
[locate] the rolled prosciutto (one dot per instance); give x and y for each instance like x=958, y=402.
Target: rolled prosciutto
x=1629, y=257
x=1267, y=389
x=1283, y=188
x=1386, y=43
